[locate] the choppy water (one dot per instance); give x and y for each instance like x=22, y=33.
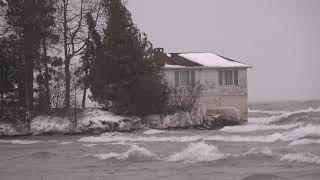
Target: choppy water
x=280, y=141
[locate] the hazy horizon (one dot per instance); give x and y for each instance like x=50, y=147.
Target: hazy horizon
x=280, y=39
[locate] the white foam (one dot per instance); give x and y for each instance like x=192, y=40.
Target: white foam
x=266, y=120
x=302, y=132
x=259, y=150
x=155, y=131
x=130, y=138
x=298, y=133
x=89, y=145
x=304, y=142
x=65, y=143
x=198, y=152
x=310, y=109
x=17, y=141
x=302, y=157
x=135, y=153
x=259, y=127
x=107, y=156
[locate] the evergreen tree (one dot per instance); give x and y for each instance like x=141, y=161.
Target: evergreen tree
x=125, y=67
x=44, y=64
x=7, y=68
x=88, y=57
x=31, y=21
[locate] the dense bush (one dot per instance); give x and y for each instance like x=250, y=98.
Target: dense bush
x=183, y=98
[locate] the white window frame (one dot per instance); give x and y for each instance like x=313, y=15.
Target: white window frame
x=191, y=78
x=234, y=81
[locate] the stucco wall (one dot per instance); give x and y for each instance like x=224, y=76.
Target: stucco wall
x=239, y=103
x=209, y=79
x=215, y=95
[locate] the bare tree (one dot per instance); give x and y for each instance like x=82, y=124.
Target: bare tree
x=74, y=34
x=72, y=23
x=183, y=98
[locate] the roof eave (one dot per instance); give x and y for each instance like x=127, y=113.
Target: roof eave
x=210, y=67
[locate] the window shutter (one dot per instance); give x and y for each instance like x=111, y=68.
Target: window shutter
x=177, y=78
x=193, y=78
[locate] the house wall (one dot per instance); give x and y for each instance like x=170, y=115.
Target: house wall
x=215, y=96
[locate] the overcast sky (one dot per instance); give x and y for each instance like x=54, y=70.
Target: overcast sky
x=279, y=38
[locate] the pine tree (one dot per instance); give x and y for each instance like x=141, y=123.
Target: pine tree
x=49, y=37
x=30, y=21
x=124, y=66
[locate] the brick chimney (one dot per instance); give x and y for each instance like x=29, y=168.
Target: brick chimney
x=158, y=51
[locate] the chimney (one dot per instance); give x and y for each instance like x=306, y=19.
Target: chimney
x=158, y=51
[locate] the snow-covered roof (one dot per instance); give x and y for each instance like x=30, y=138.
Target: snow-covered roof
x=205, y=59
x=173, y=66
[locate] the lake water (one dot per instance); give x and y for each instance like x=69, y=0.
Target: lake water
x=280, y=141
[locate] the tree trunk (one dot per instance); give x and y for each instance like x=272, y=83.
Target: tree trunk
x=84, y=97
x=66, y=57
x=30, y=47
x=2, y=102
x=2, y=90
x=85, y=90
x=46, y=78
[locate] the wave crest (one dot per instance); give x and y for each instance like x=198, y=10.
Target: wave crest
x=302, y=157
x=135, y=153
x=198, y=152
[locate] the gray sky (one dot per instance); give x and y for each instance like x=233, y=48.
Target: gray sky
x=279, y=38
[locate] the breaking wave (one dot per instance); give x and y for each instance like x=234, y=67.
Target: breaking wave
x=302, y=157
x=65, y=143
x=310, y=109
x=259, y=127
x=308, y=130
x=155, y=131
x=198, y=152
x=135, y=153
x=270, y=123
x=304, y=142
x=266, y=151
x=278, y=115
x=17, y=141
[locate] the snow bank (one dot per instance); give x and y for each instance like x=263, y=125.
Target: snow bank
x=104, y=121
x=92, y=120
x=196, y=118
x=96, y=121
x=7, y=130
x=47, y=124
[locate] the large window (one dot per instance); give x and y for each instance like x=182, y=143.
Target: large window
x=184, y=78
x=228, y=77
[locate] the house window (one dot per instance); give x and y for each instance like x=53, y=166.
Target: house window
x=228, y=78
x=184, y=78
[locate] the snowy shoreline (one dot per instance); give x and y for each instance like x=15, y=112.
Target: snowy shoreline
x=95, y=122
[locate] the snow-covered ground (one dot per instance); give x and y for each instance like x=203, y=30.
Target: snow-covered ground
x=97, y=121
x=7, y=129
x=91, y=120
